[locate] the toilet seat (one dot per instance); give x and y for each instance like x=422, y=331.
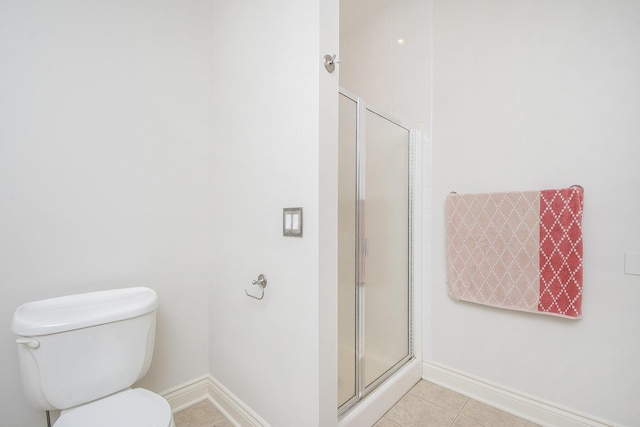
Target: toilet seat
x=129, y=408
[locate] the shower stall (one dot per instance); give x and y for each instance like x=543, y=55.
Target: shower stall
x=375, y=298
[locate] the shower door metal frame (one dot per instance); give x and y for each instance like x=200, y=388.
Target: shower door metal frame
x=361, y=389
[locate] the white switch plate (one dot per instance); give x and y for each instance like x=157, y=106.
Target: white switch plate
x=292, y=222
x=632, y=263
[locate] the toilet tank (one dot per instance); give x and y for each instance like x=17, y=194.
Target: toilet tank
x=79, y=348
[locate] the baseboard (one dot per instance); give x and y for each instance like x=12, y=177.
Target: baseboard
x=516, y=403
x=187, y=394
x=232, y=407
x=208, y=388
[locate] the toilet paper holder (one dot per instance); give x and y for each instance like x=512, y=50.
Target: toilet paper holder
x=261, y=282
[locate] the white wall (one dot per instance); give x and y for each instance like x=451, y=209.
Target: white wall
x=271, y=151
x=532, y=95
x=329, y=13
x=103, y=168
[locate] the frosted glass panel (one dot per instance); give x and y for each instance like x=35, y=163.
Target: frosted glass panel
x=373, y=250
x=386, y=224
x=347, y=250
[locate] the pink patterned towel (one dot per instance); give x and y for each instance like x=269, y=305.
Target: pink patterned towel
x=517, y=250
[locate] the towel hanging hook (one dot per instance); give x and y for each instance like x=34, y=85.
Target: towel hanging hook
x=330, y=62
x=261, y=281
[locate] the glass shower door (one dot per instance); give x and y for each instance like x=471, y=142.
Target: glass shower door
x=386, y=253
x=374, y=250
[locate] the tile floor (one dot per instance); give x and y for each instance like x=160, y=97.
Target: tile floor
x=425, y=405
x=202, y=414
x=428, y=404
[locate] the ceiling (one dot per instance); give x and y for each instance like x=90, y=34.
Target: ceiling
x=352, y=11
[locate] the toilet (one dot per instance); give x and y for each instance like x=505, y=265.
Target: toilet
x=82, y=353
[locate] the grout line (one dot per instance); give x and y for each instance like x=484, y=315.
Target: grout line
x=460, y=410
x=390, y=420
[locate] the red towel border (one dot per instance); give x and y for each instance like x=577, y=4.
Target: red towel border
x=561, y=251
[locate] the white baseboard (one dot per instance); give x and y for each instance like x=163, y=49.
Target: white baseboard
x=232, y=407
x=208, y=388
x=187, y=394
x=516, y=403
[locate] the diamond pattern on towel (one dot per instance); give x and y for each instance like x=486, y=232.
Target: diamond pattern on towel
x=492, y=249
x=561, y=251
x=519, y=250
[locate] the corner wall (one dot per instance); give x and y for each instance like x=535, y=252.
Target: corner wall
x=532, y=95
x=104, y=111
x=269, y=150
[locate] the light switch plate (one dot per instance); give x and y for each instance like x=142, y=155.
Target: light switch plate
x=292, y=222
x=632, y=263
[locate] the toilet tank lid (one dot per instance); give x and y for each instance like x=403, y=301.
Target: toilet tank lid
x=71, y=312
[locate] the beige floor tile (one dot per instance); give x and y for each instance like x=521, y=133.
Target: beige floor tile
x=441, y=396
x=202, y=414
x=465, y=422
x=412, y=411
x=489, y=416
x=386, y=422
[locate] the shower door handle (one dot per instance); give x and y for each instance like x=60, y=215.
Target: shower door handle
x=361, y=262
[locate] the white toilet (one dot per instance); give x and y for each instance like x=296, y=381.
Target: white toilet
x=81, y=354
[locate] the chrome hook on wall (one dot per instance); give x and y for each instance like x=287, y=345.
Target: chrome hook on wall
x=330, y=62
x=262, y=283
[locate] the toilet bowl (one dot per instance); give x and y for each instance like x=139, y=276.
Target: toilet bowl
x=82, y=353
